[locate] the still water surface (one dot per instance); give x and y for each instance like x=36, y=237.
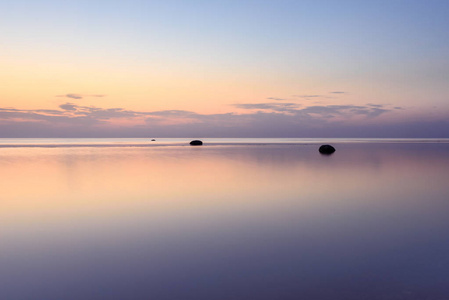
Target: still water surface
x=248, y=220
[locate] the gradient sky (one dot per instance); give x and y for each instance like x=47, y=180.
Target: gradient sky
x=224, y=68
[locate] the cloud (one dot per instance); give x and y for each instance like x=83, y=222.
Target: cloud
x=276, y=99
x=313, y=96
x=49, y=117
x=68, y=106
x=272, y=119
x=320, y=96
x=374, y=105
x=98, y=113
x=172, y=113
x=279, y=107
x=70, y=112
x=376, y=112
x=319, y=111
x=79, y=96
x=71, y=96
x=347, y=111
x=310, y=96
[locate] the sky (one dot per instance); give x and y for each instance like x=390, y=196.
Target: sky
x=173, y=68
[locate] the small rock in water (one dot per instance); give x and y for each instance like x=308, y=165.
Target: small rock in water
x=196, y=143
x=153, y=140
x=326, y=149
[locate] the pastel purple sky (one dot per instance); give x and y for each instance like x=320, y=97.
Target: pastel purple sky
x=224, y=68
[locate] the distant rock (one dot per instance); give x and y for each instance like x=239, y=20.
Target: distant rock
x=326, y=149
x=153, y=140
x=196, y=143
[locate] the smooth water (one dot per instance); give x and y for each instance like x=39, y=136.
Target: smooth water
x=239, y=220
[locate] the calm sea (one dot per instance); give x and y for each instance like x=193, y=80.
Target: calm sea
x=232, y=219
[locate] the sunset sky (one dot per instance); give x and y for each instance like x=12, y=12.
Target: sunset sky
x=173, y=68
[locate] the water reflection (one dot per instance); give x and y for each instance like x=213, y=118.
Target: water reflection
x=225, y=222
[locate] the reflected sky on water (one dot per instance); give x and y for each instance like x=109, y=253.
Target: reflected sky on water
x=225, y=222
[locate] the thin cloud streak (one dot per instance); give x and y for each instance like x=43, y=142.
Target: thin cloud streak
x=276, y=99
x=280, y=107
x=310, y=96
x=79, y=96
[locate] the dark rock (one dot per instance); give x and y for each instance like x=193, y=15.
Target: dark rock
x=326, y=149
x=153, y=140
x=196, y=143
